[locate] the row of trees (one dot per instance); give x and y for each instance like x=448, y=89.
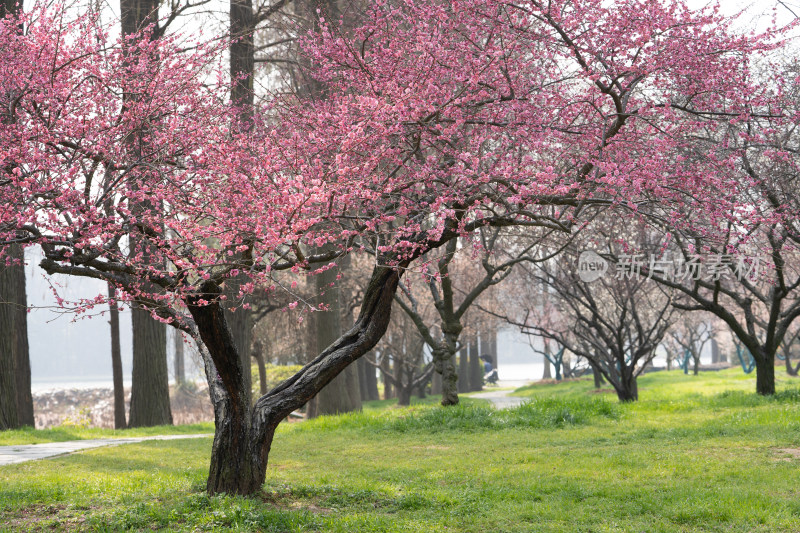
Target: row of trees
x=414, y=127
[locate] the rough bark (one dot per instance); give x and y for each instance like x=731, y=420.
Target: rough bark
x=116, y=364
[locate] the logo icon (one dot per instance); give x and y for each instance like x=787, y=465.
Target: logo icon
x=591, y=266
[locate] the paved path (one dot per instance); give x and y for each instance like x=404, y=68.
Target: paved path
x=28, y=452
x=499, y=398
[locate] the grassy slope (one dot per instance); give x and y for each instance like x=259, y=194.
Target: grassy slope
x=573, y=460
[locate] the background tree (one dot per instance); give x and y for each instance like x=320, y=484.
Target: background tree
x=16, y=402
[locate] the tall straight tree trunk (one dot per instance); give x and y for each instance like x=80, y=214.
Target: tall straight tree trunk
x=23, y=372
x=475, y=366
x=178, y=362
x=388, y=389
x=16, y=402
x=258, y=355
x=546, y=374
x=9, y=418
x=150, y=380
x=341, y=395
x=116, y=364
x=491, y=346
x=372, y=381
x=361, y=364
x=463, y=370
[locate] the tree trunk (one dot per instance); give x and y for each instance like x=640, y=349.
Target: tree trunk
x=241, y=325
x=463, y=370
x=546, y=374
x=178, y=361
x=23, y=372
x=362, y=364
x=150, y=379
x=16, y=403
x=436, y=383
x=116, y=363
x=372, y=381
x=491, y=347
x=444, y=363
x=791, y=370
x=388, y=389
x=243, y=433
x=628, y=389
x=475, y=367
x=341, y=395
x=598, y=378
x=404, y=395
x=8, y=349
x=714, y=351
x=258, y=355
x=765, y=374
x=696, y=369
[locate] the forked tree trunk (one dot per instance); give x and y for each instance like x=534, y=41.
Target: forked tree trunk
x=244, y=434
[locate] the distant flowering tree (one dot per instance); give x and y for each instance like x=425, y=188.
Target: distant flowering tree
x=441, y=117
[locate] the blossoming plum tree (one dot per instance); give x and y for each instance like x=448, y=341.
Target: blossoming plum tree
x=440, y=118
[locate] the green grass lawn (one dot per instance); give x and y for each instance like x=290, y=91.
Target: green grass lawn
x=696, y=453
